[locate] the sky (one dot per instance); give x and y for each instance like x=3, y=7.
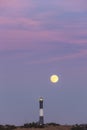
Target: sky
x=37, y=39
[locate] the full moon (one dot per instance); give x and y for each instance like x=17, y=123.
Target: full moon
x=54, y=78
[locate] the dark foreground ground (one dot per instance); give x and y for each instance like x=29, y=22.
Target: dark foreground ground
x=47, y=128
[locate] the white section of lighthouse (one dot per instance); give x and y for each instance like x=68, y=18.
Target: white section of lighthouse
x=41, y=116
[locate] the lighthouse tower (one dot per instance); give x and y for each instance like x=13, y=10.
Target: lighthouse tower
x=41, y=116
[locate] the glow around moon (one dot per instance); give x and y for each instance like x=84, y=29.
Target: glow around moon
x=54, y=78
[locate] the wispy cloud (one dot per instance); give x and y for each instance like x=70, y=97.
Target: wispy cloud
x=36, y=26
x=78, y=55
x=72, y=5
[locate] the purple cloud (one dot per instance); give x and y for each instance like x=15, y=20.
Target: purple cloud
x=21, y=30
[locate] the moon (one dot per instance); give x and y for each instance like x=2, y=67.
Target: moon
x=54, y=78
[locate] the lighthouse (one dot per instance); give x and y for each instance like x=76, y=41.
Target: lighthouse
x=41, y=116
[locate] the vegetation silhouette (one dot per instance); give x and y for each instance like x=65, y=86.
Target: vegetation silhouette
x=37, y=125
x=79, y=127
x=7, y=127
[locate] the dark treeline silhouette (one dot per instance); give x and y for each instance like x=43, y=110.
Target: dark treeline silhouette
x=52, y=124
x=30, y=125
x=36, y=125
x=7, y=127
x=26, y=125
x=79, y=127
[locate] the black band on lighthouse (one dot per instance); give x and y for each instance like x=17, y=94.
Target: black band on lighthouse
x=41, y=120
x=41, y=104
